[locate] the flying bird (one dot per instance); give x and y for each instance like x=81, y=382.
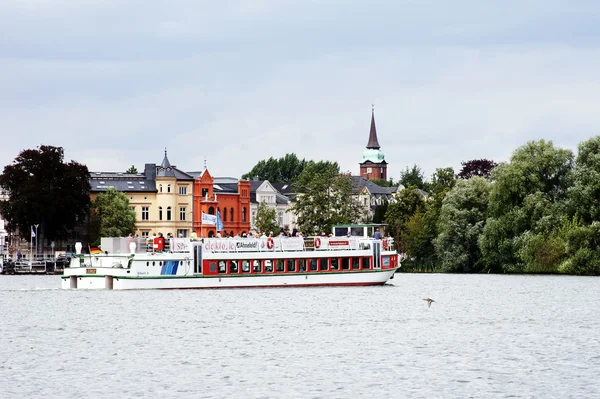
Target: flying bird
x=429, y=300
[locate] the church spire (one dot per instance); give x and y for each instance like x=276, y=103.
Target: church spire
x=373, y=143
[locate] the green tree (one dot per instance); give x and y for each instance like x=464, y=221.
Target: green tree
x=412, y=177
x=407, y=202
x=462, y=218
x=385, y=183
x=110, y=211
x=585, y=191
x=132, y=170
x=282, y=170
x=324, y=198
x=44, y=190
x=266, y=219
x=527, y=195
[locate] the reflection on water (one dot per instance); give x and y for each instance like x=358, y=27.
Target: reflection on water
x=485, y=336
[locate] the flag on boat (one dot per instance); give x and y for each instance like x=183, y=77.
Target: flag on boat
x=219, y=222
x=32, y=232
x=208, y=219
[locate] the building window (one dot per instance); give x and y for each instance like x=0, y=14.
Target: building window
x=231, y=215
x=182, y=213
x=168, y=188
x=244, y=215
x=145, y=213
x=280, y=218
x=182, y=233
x=160, y=188
x=204, y=192
x=211, y=211
x=132, y=208
x=182, y=190
x=145, y=234
x=369, y=170
x=224, y=214
x=169, y=216
x=160, y=215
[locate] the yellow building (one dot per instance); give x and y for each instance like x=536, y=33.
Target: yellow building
x=161, y=196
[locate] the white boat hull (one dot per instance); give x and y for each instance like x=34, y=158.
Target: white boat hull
x=346, y=278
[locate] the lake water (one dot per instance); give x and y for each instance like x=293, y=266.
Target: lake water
x=486, y=336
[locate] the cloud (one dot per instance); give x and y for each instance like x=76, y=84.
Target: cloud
x=236, y=82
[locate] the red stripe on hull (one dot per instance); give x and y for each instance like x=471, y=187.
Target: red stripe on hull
x=277, y=286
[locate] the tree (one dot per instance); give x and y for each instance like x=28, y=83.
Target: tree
x=412, y=177
x=44, y=190
x=476, y=167
x=283, y=170
x=385, y=183
x=266, y=219
x=527, y=195
x=133, y=170
x=110, y=211
x=407, y=202
x=324, y=198
x=585, y=191
x=461, y=223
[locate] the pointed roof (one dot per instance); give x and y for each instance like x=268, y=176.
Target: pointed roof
x=165, y=162
x=373, y=143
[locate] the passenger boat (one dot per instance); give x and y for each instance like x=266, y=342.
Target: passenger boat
x=130, y=263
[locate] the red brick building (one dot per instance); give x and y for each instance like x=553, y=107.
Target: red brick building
x=373, y=165
x=232, y=202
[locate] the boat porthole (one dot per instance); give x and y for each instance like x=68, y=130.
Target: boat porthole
x=147, y=263
x=160, y=263
x=153, y=263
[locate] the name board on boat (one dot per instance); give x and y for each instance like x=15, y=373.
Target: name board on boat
x=180, y=244
x=90, y=271
x=253, y=244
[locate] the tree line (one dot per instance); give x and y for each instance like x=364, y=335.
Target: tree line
x=537, y=213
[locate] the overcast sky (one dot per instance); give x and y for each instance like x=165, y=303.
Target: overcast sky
x=114, y=82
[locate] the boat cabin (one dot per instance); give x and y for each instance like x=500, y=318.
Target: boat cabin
x=365, y=230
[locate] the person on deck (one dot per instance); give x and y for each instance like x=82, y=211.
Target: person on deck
x=377, y=234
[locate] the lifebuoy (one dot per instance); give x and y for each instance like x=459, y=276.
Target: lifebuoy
x=385, y=244
x=317, y=242
x=270, y=243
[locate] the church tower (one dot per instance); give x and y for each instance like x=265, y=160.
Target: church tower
x=373, y=165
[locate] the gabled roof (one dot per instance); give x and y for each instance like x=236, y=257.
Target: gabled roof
x=359, y=183
x=280, y=198
x=123, y=182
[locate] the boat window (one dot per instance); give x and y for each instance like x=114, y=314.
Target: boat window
x=345, y=263
x=245, y=266
x=222, y=268
x=334, y=264
x=323, y=264
x=268, y=266
x=313, y=264
x=291, y=265
x=256, y=266
x=385, y=261
x=366, y=263
x=280, y=265
x=212, y=267
x=355, y=263
x=233, y=267
x=302, y=265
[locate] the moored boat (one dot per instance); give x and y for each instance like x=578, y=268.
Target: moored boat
x=130, y=263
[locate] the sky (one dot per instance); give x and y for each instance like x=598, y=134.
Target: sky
x=233, y=82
